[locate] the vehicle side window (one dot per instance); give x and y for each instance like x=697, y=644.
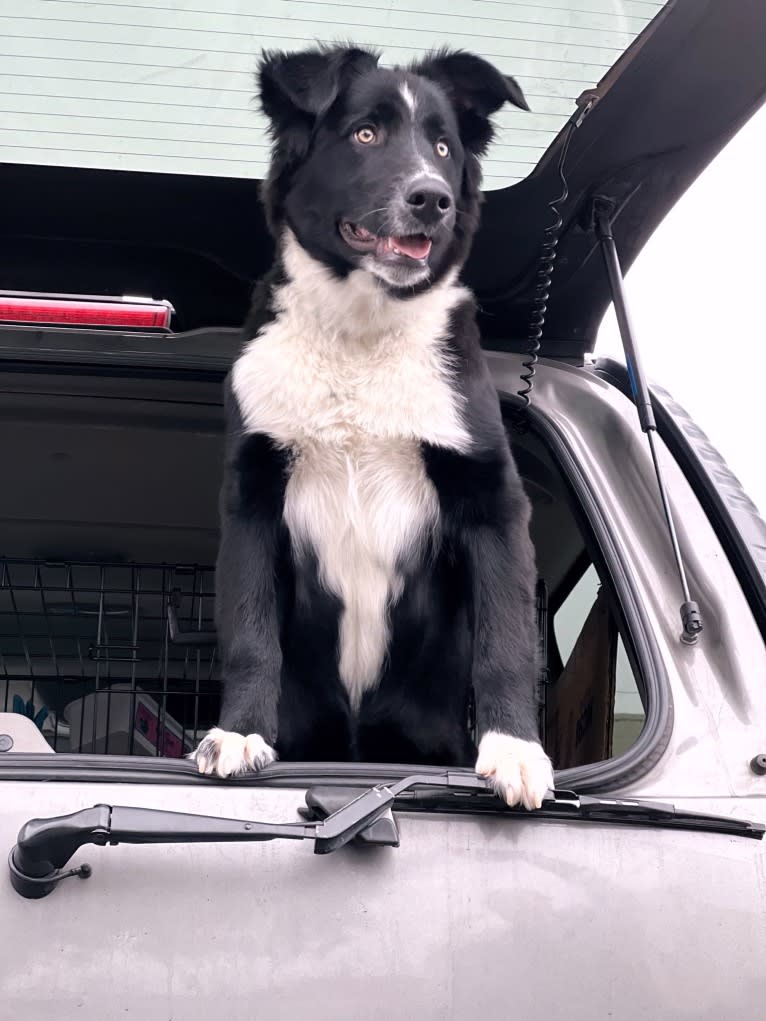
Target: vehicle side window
x=594, y=708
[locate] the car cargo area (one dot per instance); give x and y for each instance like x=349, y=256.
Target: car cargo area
x=108, y=518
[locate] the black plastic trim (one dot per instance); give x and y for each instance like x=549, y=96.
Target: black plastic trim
x=66, y=768
x=206, y=350
x=736, y=520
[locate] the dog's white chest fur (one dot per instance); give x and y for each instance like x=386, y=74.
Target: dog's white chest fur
x=352, y=381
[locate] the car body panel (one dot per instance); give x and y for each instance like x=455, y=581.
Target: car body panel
x=490, y=917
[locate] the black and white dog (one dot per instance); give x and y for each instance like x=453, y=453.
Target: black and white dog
x=375, y=564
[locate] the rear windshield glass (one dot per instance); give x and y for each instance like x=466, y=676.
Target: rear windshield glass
x=168, y=86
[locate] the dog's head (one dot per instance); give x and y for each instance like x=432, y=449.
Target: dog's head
x=378, y=169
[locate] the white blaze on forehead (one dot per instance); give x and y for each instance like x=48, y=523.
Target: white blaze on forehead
x=422, y=167
x=408, y=97
x=423, y=170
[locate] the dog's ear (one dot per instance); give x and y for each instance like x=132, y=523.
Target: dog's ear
x=299, y=87
x=475, y=88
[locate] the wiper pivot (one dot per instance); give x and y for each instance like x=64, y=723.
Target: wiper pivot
x=321, y=802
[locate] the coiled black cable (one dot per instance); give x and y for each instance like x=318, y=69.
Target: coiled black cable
x=545, y=274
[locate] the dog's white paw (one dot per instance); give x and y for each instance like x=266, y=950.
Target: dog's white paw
x=228, y=754
x=520, y=771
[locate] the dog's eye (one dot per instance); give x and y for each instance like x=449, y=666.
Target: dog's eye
x=366, y=135
x=442, y=149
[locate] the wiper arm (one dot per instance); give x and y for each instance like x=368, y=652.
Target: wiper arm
x=45, y=846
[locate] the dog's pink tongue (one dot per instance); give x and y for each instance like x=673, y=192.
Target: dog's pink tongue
x=416, y=246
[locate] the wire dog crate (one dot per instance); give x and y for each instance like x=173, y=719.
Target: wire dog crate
x=114, y=658
x=121, y=658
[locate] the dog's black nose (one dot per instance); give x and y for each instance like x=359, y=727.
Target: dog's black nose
x=429, y=200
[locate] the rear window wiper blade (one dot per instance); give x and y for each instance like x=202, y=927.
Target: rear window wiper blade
x=564, y=804
x=45, y=846
x=467, y=793
x=653, y=813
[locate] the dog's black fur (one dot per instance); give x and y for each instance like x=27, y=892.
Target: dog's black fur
x=465, y=619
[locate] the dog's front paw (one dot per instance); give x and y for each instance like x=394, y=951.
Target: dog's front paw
x=520, y=771
x=228, y=754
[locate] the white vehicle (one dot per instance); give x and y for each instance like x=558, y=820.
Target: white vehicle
x=129, y=241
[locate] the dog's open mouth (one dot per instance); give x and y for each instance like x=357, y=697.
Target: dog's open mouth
x=411, y=246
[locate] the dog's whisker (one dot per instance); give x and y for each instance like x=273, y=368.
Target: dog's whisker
x=372, y=212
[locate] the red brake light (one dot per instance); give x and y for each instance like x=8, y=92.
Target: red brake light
x=63, y=310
